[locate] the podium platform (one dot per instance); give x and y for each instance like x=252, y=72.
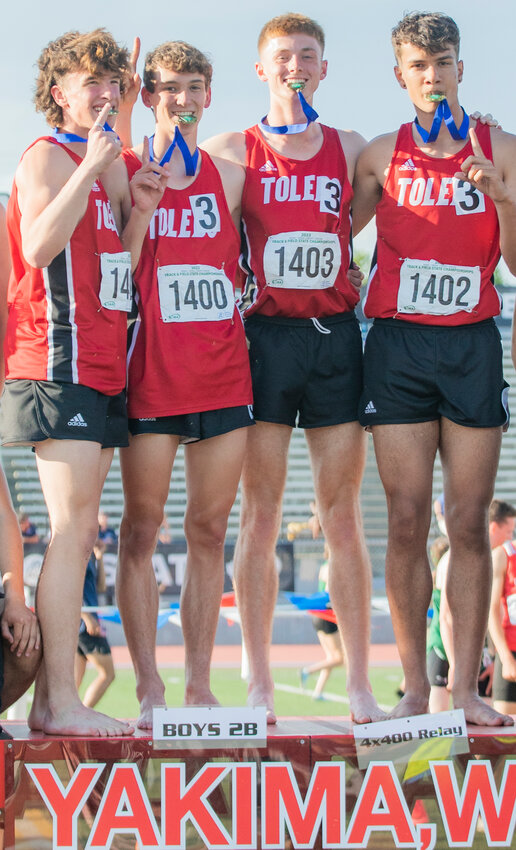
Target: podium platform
x=303, y=789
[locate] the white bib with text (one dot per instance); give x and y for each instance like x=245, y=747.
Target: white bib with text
x=431, y=288
x=194, y=294
x=302, y=260
x=116, y=285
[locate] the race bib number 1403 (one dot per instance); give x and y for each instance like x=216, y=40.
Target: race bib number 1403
x=432, y=288
x=299, y=260
x=194, y=294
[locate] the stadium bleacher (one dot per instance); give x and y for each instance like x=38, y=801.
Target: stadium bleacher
x=20, y=468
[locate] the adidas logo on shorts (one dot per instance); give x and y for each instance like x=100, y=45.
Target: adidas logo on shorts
x=269, y=166
x=408, y=165
x=370, y=408
x=77, y=421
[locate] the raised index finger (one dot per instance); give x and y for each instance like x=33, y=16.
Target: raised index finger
x=103, y=114
x=475, y=144
x=135, y=55
x=146, y=151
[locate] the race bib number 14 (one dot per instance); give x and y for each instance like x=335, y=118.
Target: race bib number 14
x=116, y=285
x=431, y=288
x=194, y=294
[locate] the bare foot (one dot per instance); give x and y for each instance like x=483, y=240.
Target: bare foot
x=364, y=708
x=146, y=705
x=39, y=702
x=35, y=718
x=410, y=705
x=263, y=696
x=478, y=713
x=79, y=720
x=203, y=696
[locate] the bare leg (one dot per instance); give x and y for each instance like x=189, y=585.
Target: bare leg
x=405, y=455
x=105, y=677
x=19, y=674
x=504, y=707
x=79, y=669
x=213, y=470
x=439, y=699
x=470, y=460
x=146, y=469
x=256, y=578
x=338, y=458
x=333, y=654
x=334, y=657
x=72, y=474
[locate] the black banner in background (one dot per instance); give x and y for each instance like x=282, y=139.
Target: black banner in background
x=169, y=562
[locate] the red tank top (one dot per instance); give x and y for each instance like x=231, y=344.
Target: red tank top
x=509, y=597
x=296, y=231
x=438, y=240
x=188, y=352
x=57, y=328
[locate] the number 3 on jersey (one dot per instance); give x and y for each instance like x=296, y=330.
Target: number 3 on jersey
x=194, y=294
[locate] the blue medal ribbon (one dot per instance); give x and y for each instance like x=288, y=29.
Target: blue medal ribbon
x=72, y=137
x=292, y=129
x=190, y=159
x=443, y=113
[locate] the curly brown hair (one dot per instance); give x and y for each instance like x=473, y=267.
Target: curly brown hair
x=178, y=56
x=290, y=24
x=431, y=31
x=94, y=52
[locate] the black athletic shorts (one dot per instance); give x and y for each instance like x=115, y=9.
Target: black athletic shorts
x=437, y=669
x=418, y=373
x=33, y=411
x=89, y=644
x=322, y=625
x=193, y=427
x=503, y=689
x=305, y=372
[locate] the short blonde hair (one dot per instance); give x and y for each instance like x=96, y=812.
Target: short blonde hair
x=290, y=24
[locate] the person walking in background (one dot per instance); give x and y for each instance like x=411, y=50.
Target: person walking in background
x=329, y=638
x=93, y=646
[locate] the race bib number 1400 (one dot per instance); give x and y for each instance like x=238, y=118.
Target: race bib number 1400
x=194, y=294
x=431, y=288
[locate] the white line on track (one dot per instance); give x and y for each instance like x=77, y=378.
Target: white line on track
x=328, y=696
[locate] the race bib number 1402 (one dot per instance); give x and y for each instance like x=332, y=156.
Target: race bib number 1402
x=432, y=288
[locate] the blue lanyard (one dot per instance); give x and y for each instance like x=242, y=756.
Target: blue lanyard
x=72, y=137
x=292, y=129
x=190, y=160
x=443, y=113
